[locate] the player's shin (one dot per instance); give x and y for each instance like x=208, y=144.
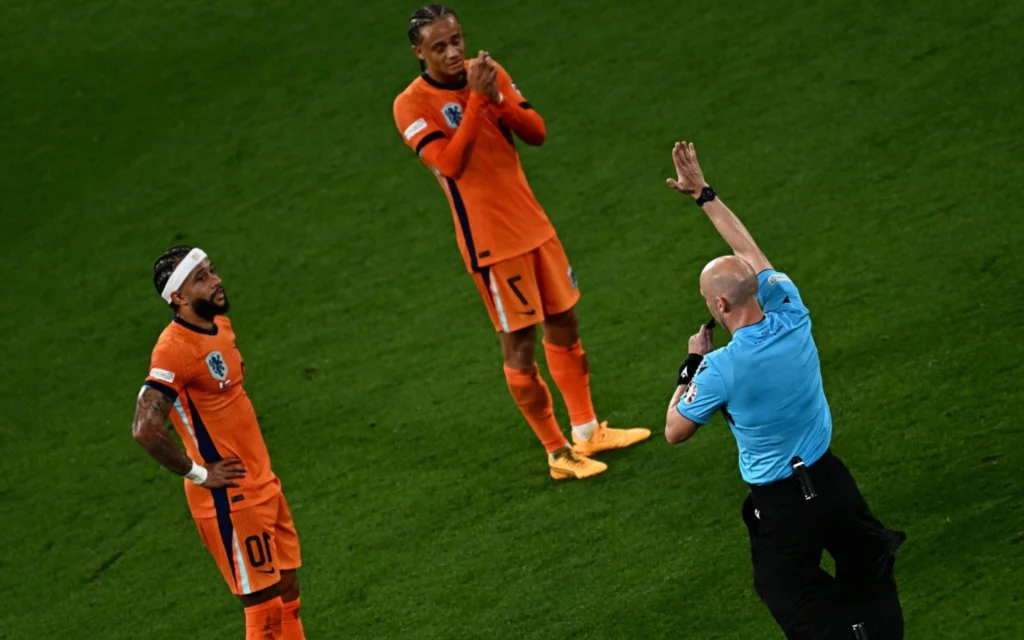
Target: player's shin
x=291, y=624
x=569, y=369
x=533, y=398
x=263, y=621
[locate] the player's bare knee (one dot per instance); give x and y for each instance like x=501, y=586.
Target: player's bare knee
x=518, y=348
x=261, y=596
x=562, y=329
x=523, y=356
x=565, y=320
x=289, y=586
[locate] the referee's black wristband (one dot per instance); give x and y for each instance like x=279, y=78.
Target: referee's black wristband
x=707, y=194
x=689, y=369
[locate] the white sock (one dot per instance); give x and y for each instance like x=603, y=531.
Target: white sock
x=585, y=431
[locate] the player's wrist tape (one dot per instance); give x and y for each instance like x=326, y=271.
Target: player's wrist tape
x=182, y=271
x=197, y=474
x=689, y=369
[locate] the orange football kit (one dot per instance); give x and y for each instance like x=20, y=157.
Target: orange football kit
x=248, y=529
x=510, y=248
x=506, y=239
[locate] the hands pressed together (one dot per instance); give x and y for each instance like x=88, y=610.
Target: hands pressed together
x=482, y=76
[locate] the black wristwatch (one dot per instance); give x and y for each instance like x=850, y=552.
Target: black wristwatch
x=707, y=194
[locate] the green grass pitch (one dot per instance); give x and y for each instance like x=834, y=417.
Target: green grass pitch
x=874, y=149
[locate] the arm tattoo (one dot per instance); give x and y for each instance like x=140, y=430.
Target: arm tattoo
x=148, y=428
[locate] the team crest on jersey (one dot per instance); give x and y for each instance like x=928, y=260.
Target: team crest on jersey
x=452, y=113
x=218, y=368
x=691, y=393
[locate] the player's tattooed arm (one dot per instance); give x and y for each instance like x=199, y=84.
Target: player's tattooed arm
x=149, y=430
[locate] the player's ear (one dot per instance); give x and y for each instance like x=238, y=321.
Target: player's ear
x=417, y=51
x=179, y=299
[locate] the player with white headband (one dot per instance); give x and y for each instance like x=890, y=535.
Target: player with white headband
x=232, y=492
x=184, y=269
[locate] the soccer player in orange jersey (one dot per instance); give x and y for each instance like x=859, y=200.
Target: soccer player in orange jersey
x=461, y=118
x=195, y=378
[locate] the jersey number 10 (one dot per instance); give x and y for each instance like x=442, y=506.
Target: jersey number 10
x=259, y=550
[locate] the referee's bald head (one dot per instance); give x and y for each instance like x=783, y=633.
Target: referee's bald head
x=729, y=285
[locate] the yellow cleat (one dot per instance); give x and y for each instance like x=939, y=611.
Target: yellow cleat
x=605, y=439
x=567, y=465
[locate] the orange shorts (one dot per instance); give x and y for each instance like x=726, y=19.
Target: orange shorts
x=254, y=545
x=522, y=291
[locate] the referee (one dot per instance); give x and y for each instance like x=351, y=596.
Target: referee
x=767, y=384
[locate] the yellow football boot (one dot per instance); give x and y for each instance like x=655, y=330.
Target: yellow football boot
x=605, y=438
x=565, y=464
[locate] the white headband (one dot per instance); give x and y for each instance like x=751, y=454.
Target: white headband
x=182, y=271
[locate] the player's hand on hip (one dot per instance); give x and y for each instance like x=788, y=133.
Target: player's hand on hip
x=223, y=473
x=702, y=342
x=689, y=178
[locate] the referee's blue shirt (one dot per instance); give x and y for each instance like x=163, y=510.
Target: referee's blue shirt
x=767, y=382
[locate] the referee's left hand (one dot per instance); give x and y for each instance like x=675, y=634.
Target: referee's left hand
x=689, y=177
x=702, y=342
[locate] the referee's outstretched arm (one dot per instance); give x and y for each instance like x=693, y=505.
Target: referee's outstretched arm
x=728, y=284
x=767, y=385
x=690, y=181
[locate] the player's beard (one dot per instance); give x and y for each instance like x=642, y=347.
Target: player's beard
x=208, y=309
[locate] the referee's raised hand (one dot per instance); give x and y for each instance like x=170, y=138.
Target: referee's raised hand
x=689, y=177
x=702, y=342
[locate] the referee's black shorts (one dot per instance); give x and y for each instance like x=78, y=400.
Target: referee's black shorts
x=787, y=536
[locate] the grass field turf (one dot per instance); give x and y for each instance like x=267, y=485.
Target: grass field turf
x=872, y=147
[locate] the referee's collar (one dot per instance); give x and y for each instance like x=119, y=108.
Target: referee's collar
x=751, y=328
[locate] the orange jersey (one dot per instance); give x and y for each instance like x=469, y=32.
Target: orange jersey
x=202, y=371
x=496, y=214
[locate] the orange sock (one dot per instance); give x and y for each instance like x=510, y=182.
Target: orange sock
x=569, y=368
x=291, y=625
x=263, y=621
x=531, y=394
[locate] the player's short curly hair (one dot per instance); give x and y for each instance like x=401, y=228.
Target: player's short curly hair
x=424, y=16
x=164, y=267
